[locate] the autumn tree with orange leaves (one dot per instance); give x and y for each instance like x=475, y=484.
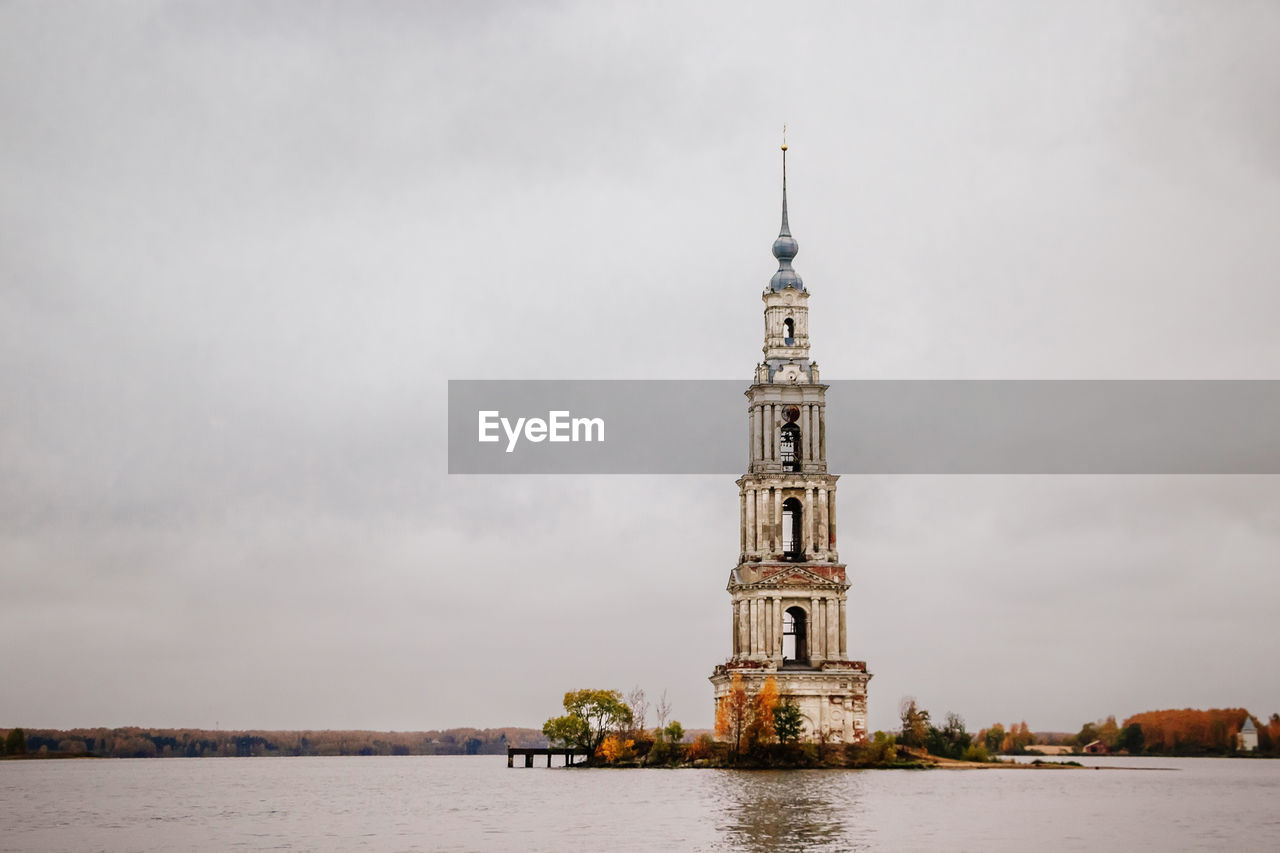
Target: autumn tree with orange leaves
x=614, y=747
x=746, y=719
x=731, y=713
x=761, y=729
x=1190, y=731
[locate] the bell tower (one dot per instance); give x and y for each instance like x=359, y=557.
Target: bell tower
x=789, y=588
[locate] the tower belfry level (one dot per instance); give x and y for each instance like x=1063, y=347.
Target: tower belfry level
x=789, y=611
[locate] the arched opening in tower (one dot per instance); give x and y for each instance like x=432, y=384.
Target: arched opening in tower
x=790, y=331
x=795, y=646
x=792, y=535
x=789, y=447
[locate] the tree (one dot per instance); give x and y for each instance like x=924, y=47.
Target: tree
x=702, y=748
x=664, y=742
x=760, y=728
x=952, y=737
x=663, y=711
x=787, y=721
x=732, y=711
x=1189, y=731
x=915, y=723
x=746, y=719
x=881, y=749
x=1109, y=732
x=569, y=730
x=1266, y=734
x=591, y=715
x=1019, y=738
x=1221, y=738
x=639, y=707
x=613, y=748
x=659, y=753
x=16, y=742
x=1131, y=739
x=993, y=738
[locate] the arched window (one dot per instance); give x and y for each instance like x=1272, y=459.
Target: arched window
x=792, y=537
x=795, y=646
x=789, y=333
x=789, y=447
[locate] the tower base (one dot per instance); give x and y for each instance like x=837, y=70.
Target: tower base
x=832, y=699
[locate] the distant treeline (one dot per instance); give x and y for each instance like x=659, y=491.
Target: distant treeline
x=1184, y=731
x=133, y=742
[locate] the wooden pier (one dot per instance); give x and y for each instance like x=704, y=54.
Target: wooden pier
x=530, y=752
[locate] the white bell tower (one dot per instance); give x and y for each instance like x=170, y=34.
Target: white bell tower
x=790, y=617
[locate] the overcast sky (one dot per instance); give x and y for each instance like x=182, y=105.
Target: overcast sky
x=244, y=245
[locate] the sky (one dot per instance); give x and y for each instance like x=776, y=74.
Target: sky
x=244, y=246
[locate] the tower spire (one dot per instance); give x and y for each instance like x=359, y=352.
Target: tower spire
x=785, y=247
x=786, y=227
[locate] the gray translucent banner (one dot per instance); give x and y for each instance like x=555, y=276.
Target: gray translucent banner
x=873, y=427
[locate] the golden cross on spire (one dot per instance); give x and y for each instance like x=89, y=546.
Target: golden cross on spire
x=784, y=137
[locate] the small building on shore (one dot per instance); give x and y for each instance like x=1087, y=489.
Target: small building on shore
x=1096, y=747
x=1247, y=739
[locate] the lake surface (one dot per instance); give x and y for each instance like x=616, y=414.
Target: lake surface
x=477, y=803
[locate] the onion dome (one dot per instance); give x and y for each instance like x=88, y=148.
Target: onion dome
x=785, y=247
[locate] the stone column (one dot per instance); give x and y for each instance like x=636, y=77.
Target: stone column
x=751, y=437
x=816, y=634
x=777, y=520
x=824, y=543
x=813, y=430
x=760, y=493
x=807, y=526
x=827, y=652
x=754, y=605
x=774, y=416
x=766, y=447
x=822, y=434
x=803, y=423
x=761, y=645
x=807, y=424
x=833, y=625
x=812, y=423
x=742, y=522
x=735, y=629
x=758, y=611
x=758, y=436
x=767, y=604
x=744, y=629
x=777, y=626
x=844, y=632
x=826, y=649
x=831, y=519
x=757, y=625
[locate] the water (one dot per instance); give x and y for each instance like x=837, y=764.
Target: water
x=477, y=803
